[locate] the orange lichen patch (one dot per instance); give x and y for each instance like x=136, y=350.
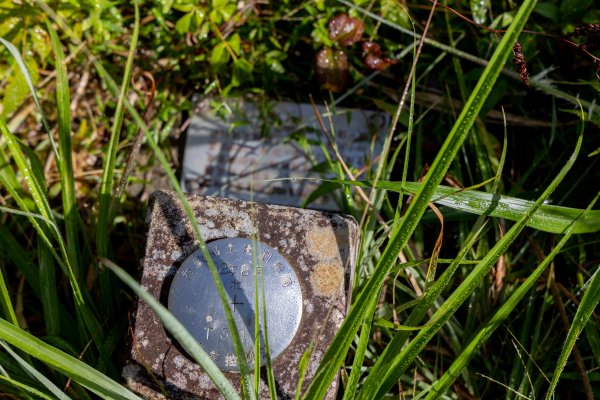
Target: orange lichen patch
x=323, y=243
x=327, y=278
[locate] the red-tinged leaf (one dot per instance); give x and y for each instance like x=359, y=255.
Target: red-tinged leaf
x=373, y=58
x=332, y=69
x=345, y=30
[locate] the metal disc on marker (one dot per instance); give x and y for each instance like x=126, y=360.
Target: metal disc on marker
x=194, y=300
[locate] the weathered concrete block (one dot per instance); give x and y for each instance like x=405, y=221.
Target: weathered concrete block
x=319, y=247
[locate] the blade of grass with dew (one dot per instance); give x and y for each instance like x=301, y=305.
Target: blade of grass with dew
x=462, y=360
x=588, y=303
x=25, y=388
x=366, y=299
x=179, y=332
x=41, y=202
x=67, y=180
x=30, y=173
x=16, y=54
x=52, y=388
x=68, y=365
x=377, y=198
x=393, y=364
x=549, y=218
x=417, y=315
x=106, y=189
x=355, y=371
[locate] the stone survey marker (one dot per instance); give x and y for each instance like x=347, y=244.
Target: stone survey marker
x=194, y=300
x=307, y=258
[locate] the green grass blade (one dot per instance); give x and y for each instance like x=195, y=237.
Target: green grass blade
x=335, y=354
x=35, y=373
x=7, y=173
x=25, y=388
x=415, y=318
x=16, y=54
x=357, y=362
x=394, y=364
x=173, y=326
x=64, y=363
x=106, y=190
x=39, y=196
x=549, y=218
x=12, y=250
x=593, y=336
x=33, y=217
x=462, y=360
x=588, y=303
x=67, y=181
x=48, y=292
x=36, y=189
x=8, y=311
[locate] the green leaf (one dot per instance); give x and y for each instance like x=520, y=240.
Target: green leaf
x=69, y=366
x=395, y=12
x=242, y=72
x=219, y=56
x=183, y=7
x=548, y=218
x=16, y=89
x=183, y=24
x=48, y=291
x=235, y=43
x=548, y=10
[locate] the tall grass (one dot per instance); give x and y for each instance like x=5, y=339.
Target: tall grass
x=73, y=356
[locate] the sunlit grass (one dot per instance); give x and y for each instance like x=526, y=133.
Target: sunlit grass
x=488, y=279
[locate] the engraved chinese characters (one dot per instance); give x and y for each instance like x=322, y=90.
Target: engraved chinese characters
x=194, y=300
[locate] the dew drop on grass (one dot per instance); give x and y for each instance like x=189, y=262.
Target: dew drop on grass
x=479, y=10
